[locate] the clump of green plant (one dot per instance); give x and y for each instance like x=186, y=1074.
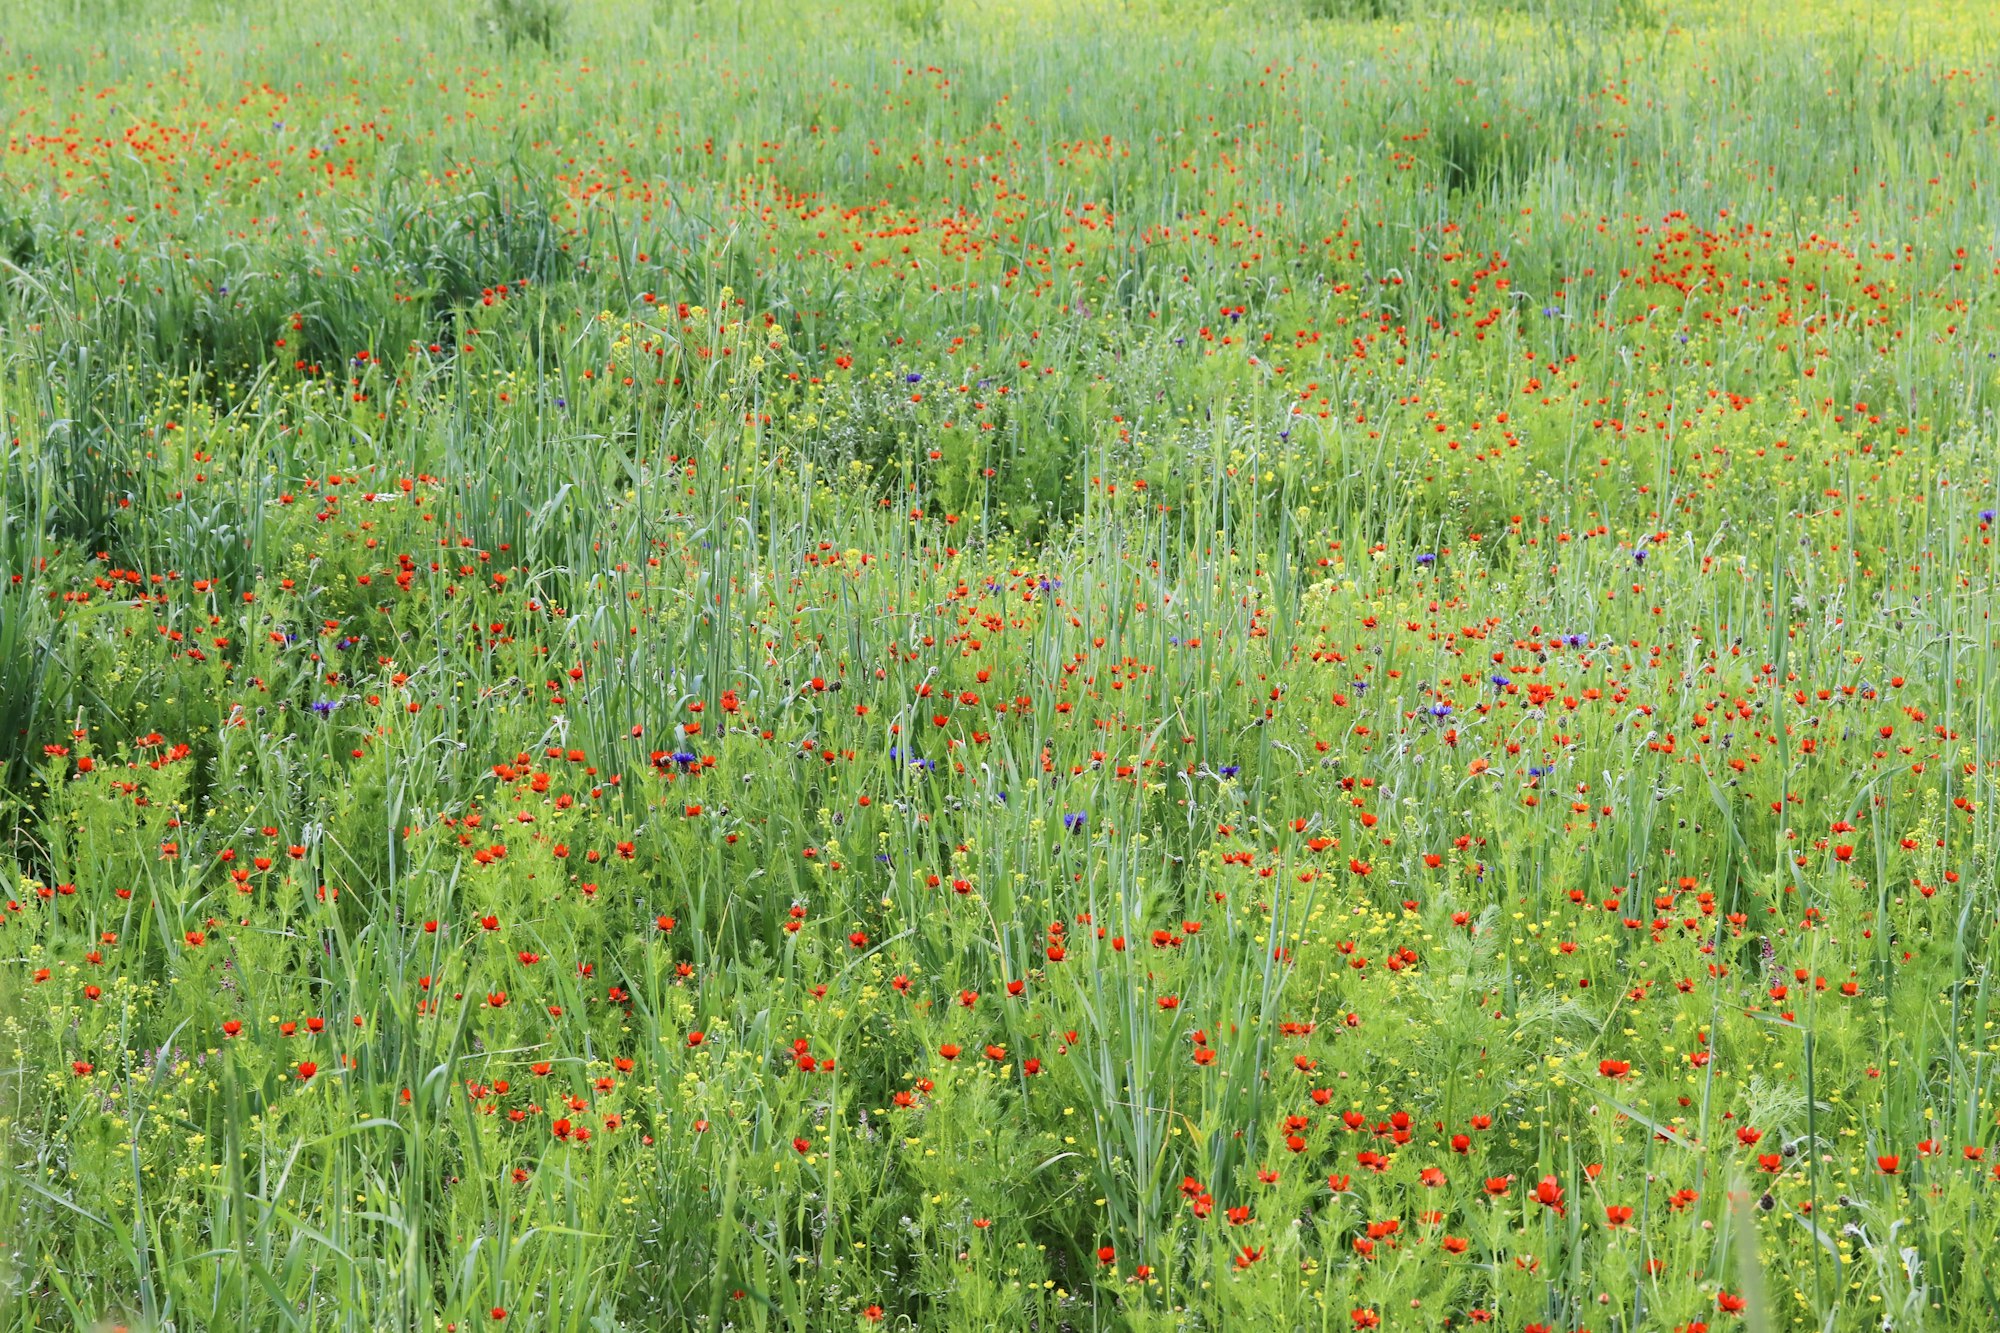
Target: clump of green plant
x=1364, y=11
x=24, y=617
x=519, y=23
x=18, y=243
x=918, y=16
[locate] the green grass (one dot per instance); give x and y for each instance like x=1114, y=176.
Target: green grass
x=953, y=666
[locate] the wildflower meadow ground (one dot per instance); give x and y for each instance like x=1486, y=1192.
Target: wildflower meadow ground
x=961, y=664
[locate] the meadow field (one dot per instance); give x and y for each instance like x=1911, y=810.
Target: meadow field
x=1123, y=664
